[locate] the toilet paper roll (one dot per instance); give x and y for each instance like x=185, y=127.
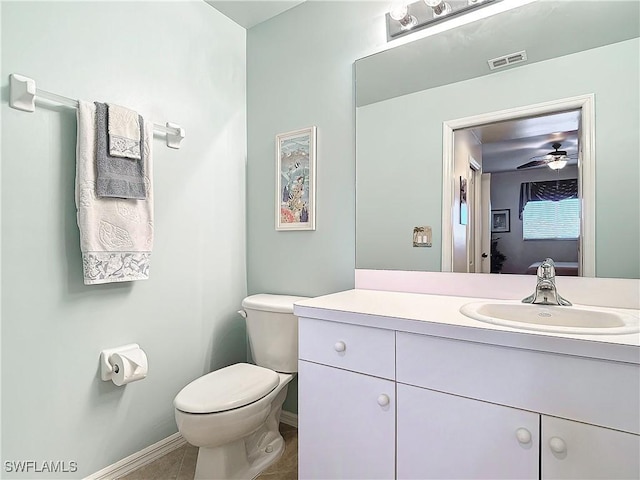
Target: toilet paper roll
x=129, y=366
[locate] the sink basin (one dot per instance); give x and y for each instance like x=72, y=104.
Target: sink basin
x=552, y=318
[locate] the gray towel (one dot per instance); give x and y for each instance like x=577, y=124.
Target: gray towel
x=116, y=176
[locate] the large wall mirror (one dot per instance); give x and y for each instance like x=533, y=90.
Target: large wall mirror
x=449, y=147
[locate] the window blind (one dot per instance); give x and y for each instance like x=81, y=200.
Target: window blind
x=547, y=219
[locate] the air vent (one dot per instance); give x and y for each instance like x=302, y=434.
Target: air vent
x=507, y=60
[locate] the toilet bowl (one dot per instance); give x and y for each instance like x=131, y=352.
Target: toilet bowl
x=233, y=414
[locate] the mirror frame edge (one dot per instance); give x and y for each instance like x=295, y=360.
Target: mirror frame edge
x=586, y=183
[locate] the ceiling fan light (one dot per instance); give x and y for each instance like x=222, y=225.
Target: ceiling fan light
x=557, y=164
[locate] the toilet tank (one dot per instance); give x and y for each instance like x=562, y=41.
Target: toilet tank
x=273, y=331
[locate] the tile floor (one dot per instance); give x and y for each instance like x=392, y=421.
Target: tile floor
x=180, y=464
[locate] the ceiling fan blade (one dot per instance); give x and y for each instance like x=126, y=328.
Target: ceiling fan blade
x=545, y=157
x=533, y=163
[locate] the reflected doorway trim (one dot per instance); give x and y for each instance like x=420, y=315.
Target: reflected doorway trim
x=586, y=183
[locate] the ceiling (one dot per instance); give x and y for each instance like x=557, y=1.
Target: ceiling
x=545, y=29
x=505, y=145
x=250, y=13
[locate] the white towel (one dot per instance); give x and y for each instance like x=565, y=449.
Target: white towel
x=124, y=132
x=116, y=235
x=116, y=176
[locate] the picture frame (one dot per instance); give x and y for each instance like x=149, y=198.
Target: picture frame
x=500, y=221
x=464, y=214
x=296, y=180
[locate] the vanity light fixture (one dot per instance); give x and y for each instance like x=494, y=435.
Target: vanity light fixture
x=404, y=17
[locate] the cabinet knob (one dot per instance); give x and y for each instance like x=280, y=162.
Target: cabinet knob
x=557, y=445
x=383, y=400
x=340, y=346
x=523, y=435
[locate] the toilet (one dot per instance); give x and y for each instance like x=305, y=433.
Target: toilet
x=232, y=414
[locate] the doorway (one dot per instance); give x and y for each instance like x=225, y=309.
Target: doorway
x=568, y=122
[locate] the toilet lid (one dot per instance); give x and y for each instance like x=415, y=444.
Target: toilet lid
x=225, y=389
x=266, y=302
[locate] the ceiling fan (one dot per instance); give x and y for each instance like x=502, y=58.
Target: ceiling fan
x=554, y=160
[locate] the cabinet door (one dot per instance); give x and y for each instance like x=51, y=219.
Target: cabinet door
x=445, y=436
x=582, y=451
x=346, y=424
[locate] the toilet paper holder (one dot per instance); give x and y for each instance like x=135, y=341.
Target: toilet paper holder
x=106, y=367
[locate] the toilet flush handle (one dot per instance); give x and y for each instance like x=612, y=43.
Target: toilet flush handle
x=242, y=313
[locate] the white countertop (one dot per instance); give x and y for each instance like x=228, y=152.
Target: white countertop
x=439, y=315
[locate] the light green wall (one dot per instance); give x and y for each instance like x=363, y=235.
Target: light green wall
x=398, y=185
x=300, y=73
x=182, y=62
x=400, y=155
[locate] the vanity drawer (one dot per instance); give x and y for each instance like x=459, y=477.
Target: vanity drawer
x=599, y=392
x=351, y=347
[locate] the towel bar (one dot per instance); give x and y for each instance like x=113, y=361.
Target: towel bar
x=23, y=93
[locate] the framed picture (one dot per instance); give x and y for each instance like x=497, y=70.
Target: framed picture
x=463, y=201
x=296, y=180
x=500, y=221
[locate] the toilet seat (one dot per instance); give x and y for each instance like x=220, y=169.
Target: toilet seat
x=225, y=389
x=271, y=303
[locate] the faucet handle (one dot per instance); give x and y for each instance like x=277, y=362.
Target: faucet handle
x=547, y=269
x=546, y=286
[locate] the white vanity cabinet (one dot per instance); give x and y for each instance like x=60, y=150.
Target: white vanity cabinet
x=346, y=411
x=385, y=397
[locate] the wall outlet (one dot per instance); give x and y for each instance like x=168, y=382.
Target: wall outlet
x=422, y=236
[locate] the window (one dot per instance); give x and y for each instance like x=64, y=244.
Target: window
x=546, y=219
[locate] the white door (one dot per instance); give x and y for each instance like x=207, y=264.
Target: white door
x=474, y=200
x=442, y=436
x=485, y=223
x=581, y=451
x=472, y=263
x=343, y=430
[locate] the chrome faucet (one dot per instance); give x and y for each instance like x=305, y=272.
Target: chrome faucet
x=546, y=292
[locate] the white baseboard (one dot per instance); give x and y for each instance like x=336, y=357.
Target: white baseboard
x=289, y=418
x=157, y=450
x=140, y=459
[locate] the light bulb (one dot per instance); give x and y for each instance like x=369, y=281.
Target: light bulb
x=557, y=164
x=398, y=10
x=440, y=7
